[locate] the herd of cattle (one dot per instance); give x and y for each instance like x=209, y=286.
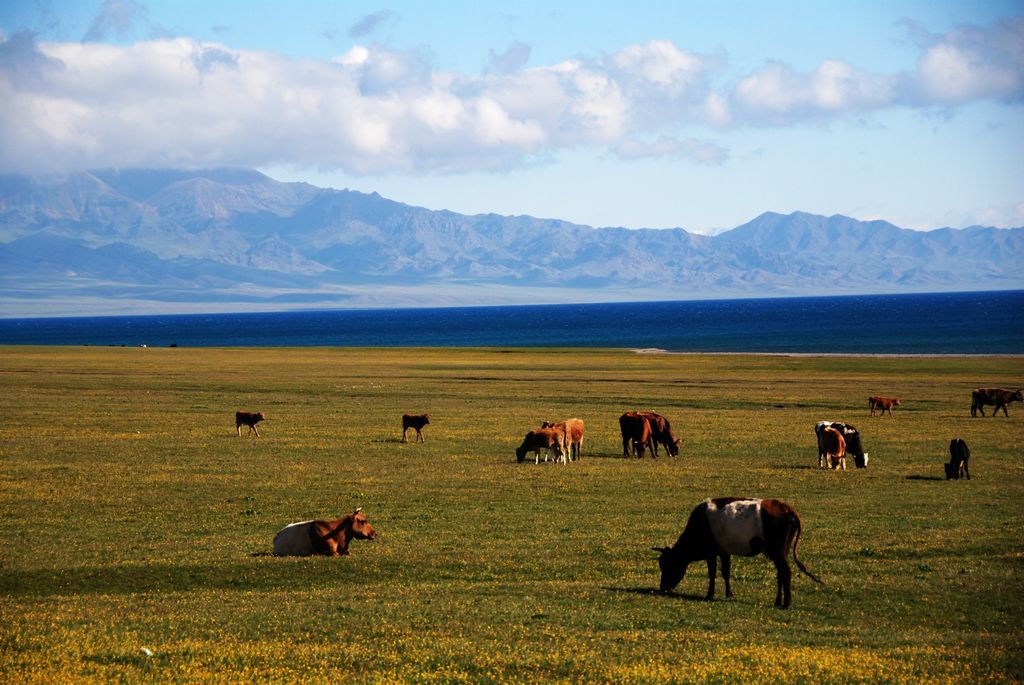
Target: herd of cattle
x=716, y=529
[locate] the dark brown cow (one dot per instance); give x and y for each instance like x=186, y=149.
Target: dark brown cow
x=996, y=397
x=250, y=419
x=572, y=429
x=661, y=432
x=550, y=439
x=719, y=528
x=417, y=421
x=327, y=538
x=883, y=404
x=636, y=433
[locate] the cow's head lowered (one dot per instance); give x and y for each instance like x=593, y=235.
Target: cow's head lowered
x=673, y=568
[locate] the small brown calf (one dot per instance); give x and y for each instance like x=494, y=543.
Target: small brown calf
x=882, y=404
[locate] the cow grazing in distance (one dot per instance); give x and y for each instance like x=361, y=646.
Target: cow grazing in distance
x=833, y=445
x=854, y=446
x=416, y=421
x=996, y=397
x=636, y=434
x=720, y=528
x=661, y=432
x=250, y=419
x=883, y=404
x=573, y=430
x=959, y=456
x=550, y=439
x=327, y=538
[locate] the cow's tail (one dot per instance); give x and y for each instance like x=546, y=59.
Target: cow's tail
x=796, y=543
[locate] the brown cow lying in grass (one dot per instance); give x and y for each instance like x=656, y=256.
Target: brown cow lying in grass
x=250, y=419
x=883, y=404
x=327, y=538
x=416, y=421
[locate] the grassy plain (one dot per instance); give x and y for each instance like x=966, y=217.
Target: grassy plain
x=134, y=518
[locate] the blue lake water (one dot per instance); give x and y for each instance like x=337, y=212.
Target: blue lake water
x=941, y=323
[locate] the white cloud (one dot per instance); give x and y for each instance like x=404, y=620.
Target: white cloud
x=182, y=102
x=973, y=64
x=965, y=65
x=779, y=94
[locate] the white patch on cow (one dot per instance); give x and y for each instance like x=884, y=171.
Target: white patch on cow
x=294, y=540
x=736, y=525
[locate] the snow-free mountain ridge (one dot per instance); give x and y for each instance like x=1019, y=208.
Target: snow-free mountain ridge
x=235, y=239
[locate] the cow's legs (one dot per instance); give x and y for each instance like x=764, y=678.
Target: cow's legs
x=405, y=433
x=783, y=593
x=255, y=429
x=1005, y=413
x=712, y=570
x=726, y=570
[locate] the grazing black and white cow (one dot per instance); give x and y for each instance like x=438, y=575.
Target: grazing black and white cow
x=959, y=456
x=719, y=528
x=854, y=447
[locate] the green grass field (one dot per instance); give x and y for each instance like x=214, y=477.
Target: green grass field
x=134, y=518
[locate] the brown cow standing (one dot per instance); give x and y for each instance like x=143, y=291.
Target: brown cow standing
x=833, y=444
x=661, y=432
x=417, y=421
x=327, y=538
x=636, y=432
x=883, y=404
x=550, y=439
x=572, y=430
x=250, y=419
x=996, y=397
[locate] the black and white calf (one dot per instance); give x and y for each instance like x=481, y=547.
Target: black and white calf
x=720, y=528
x=851, y=436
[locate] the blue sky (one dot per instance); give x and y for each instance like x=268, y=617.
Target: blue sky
x=646, y=114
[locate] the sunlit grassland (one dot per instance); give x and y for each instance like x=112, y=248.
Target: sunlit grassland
x=133, y=517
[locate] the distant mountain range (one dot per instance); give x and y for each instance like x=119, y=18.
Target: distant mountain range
x=229, y=239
